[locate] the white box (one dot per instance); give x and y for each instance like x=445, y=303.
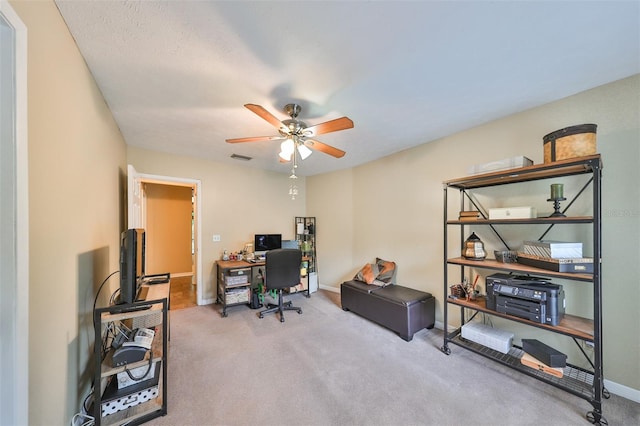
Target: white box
x=493, y=166
x=553, y=249
x=490, y=337
x=313, y=282
x=513, y=213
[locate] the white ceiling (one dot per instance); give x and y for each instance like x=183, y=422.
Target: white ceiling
x=176, y=74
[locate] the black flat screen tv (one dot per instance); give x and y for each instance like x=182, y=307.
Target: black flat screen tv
x=262, y=243
x=132, y=248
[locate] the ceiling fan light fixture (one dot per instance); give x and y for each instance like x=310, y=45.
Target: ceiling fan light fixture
x=286, y=149
x=285, y=156
x=304, y=151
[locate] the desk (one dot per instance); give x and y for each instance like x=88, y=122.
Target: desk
x=235, y=279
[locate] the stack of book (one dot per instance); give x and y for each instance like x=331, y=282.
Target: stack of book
x=468, y=215
x=555, y=256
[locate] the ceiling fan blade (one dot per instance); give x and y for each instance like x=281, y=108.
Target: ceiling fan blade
x=265, y=115
x=255, y=139
x=341, y=123
x=323, y=147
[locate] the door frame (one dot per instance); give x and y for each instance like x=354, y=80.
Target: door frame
x=142, y=178
x=14, y=223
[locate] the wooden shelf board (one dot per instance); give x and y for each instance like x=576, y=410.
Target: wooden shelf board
x=571, y=325
x=530, y=221
x=517, y=267
x=573, y=166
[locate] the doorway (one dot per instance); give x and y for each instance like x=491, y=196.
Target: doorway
x=144, y=212
x=170, y=243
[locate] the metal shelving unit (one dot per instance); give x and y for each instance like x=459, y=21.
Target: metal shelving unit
x=586, y=384
x=306, y=237
x=139, y=402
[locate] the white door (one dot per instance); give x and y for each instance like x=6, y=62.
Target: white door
x=135, y=199
x=14, y=221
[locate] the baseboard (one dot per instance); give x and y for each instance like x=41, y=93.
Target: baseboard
x=622, y=390
x=329, y=288
x=182, y=274
x=208, y=301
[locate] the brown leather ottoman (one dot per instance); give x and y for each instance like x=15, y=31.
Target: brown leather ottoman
x=400, y=309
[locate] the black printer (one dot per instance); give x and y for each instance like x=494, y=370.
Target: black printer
x=532, y=298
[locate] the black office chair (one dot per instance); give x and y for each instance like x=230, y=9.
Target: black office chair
x=282, y=270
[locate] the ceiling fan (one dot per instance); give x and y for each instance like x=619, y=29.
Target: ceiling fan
x=296, y=134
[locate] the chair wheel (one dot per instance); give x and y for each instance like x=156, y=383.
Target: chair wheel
x=260, y=316
x=281, y=319
x=299, y=311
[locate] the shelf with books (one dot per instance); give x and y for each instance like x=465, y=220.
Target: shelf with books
x=533, y=269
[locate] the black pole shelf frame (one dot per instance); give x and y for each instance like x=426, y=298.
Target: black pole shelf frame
x=584, y=383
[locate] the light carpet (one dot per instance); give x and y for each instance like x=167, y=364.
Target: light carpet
x=331, y=367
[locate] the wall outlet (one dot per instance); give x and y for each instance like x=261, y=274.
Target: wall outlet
x=216, y=238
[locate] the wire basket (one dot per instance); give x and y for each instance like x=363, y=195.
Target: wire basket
x=506, y=256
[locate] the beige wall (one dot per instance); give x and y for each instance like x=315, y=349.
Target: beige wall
x=76, y=168
x=236, y=202
x=168, y=229
x=392, y=208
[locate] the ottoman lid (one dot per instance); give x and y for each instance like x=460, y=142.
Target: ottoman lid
x=403, y=295
x=360, y=285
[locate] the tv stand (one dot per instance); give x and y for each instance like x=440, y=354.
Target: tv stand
x=143, y=292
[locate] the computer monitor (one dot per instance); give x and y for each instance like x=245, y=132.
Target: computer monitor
x=290, y=244
x=262, y=243
x=132, y=253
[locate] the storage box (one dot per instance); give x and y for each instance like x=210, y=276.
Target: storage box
x=570, y=142
x=513, y=213
x=238, y=295
x=507, y=163
x=236, y=272
x=553, y=249
x=236, y=280
x=114, y=399
x=490, y=337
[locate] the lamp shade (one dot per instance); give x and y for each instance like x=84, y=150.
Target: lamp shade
x=304, y=151
x=286, y=149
